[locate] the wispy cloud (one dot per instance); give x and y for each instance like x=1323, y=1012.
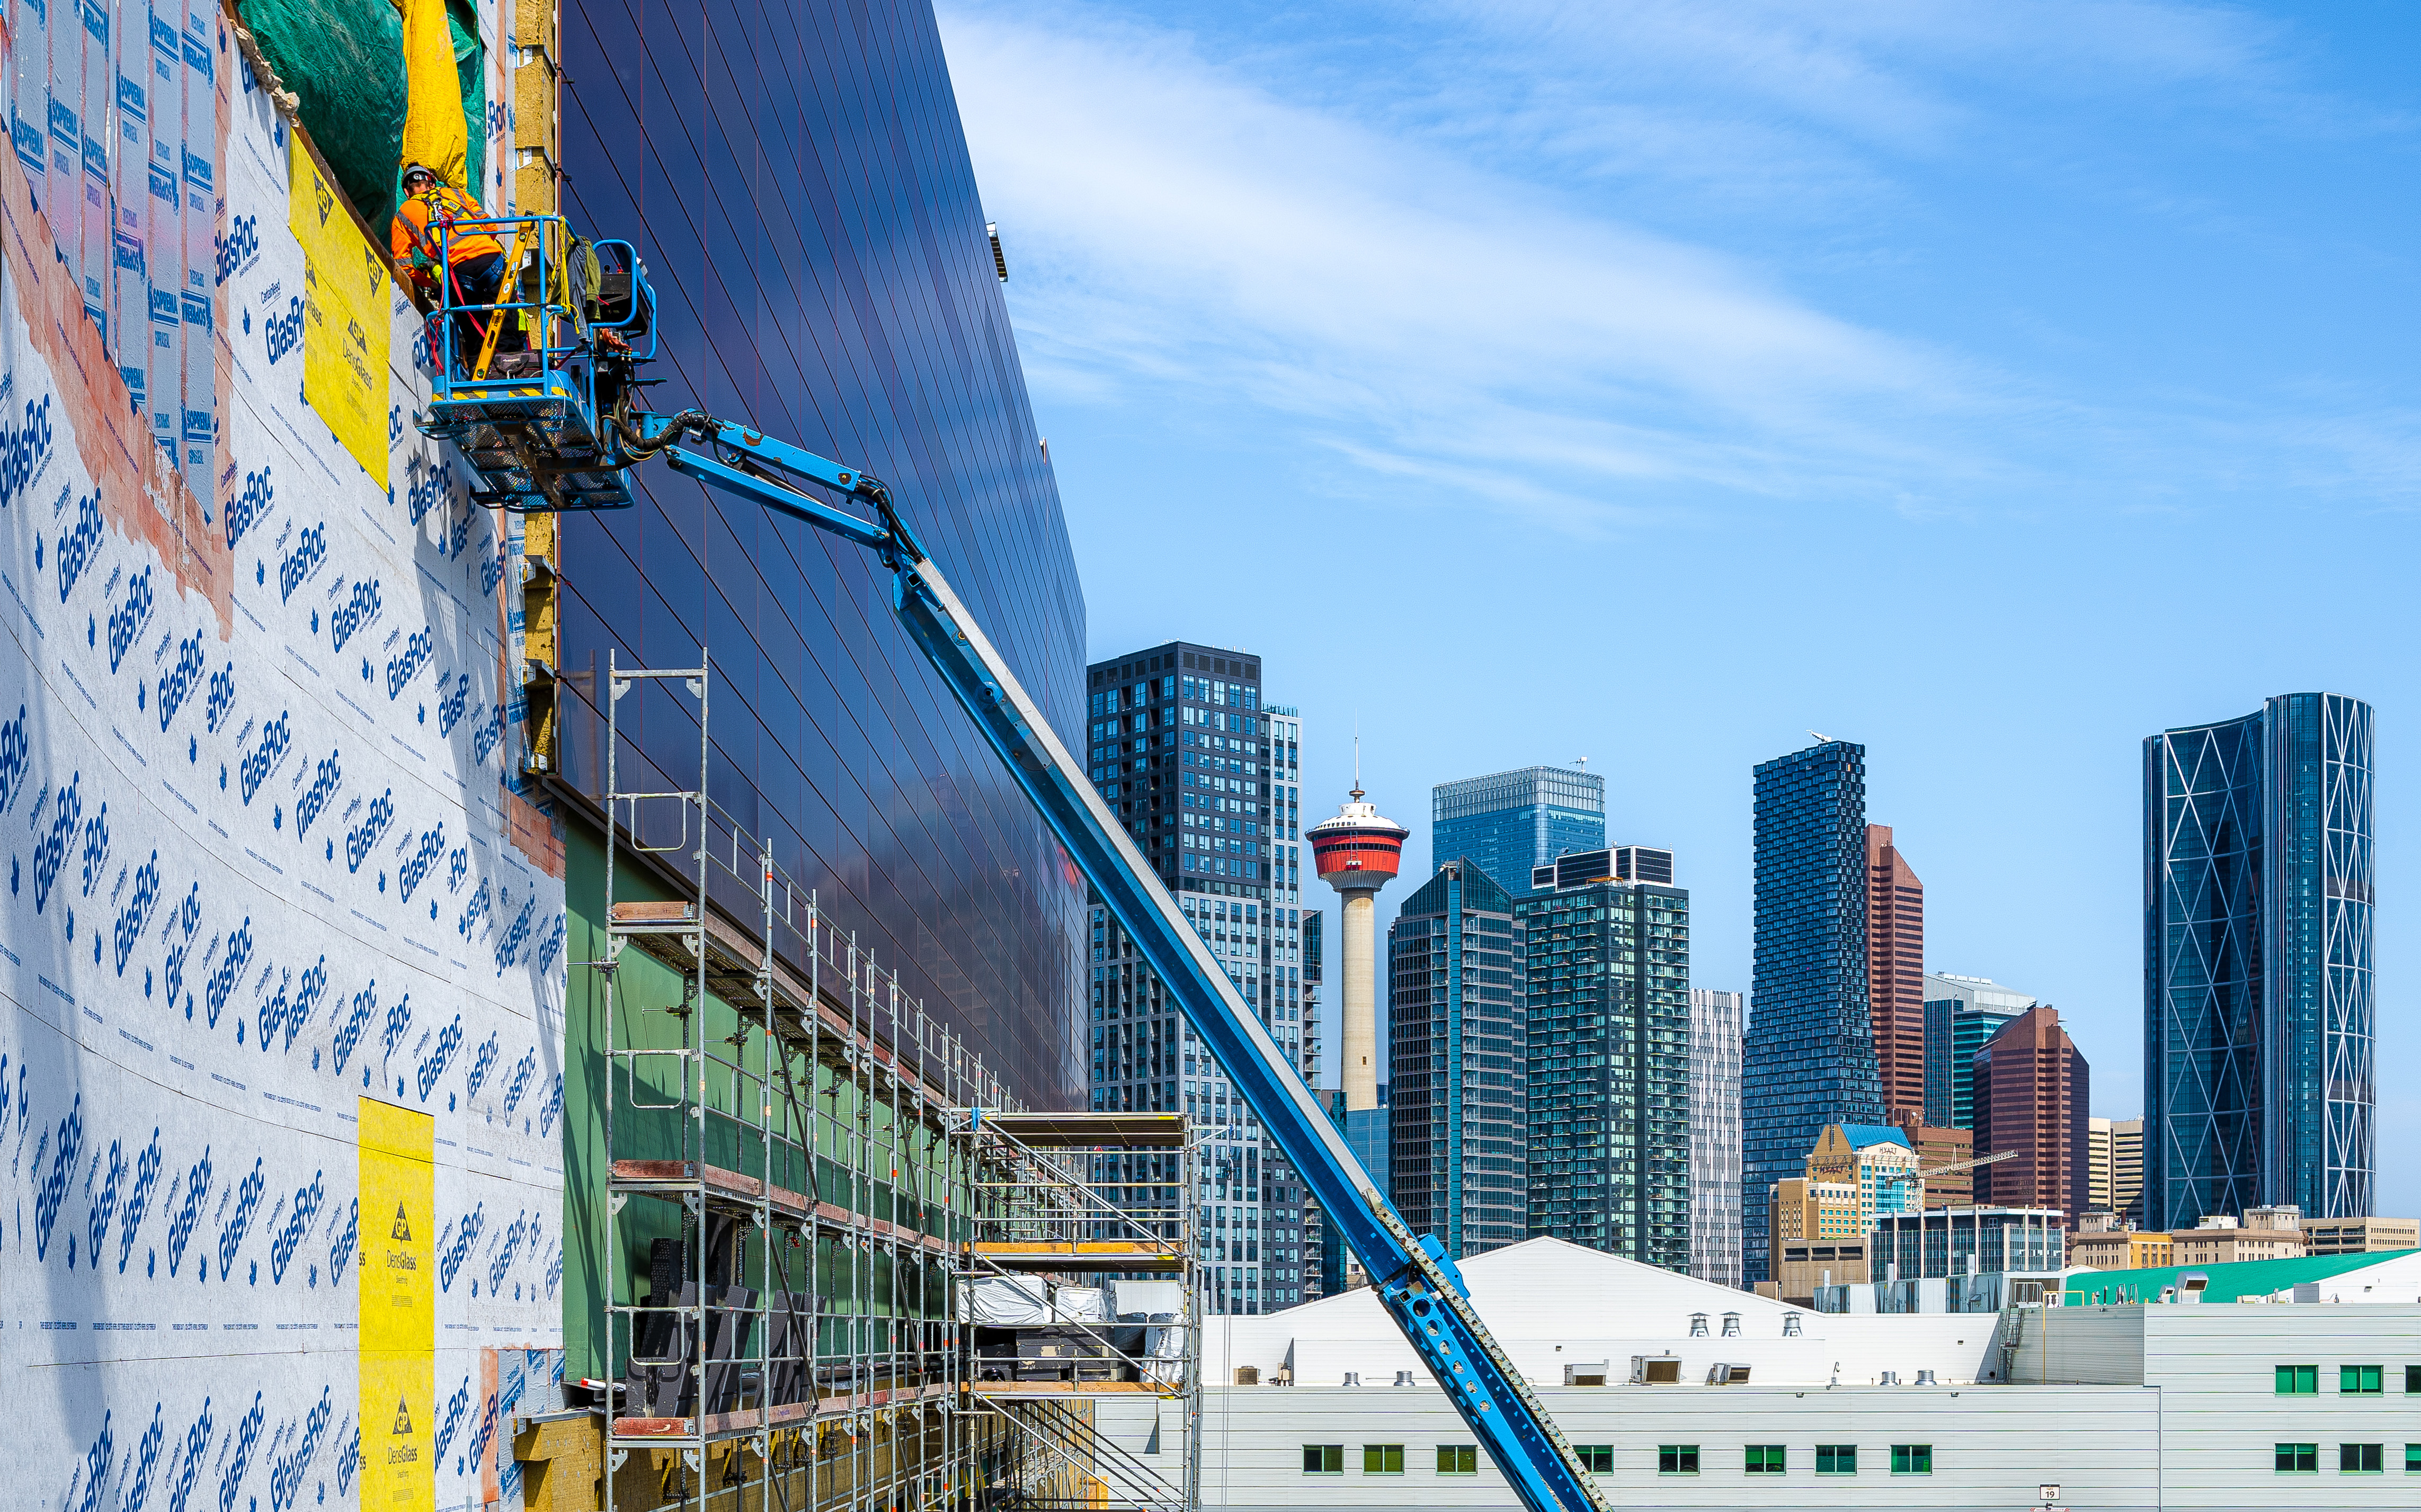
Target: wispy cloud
x=1181, y=225
x=1393, y=265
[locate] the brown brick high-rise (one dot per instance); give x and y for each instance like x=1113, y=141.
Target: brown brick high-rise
x=1896, y=975
x=2033, y=1090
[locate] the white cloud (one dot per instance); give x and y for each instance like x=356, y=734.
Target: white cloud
x=1178, y=223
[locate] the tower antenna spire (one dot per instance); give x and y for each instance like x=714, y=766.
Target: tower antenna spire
x=1357, y=758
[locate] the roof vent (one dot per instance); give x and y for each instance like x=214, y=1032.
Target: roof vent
x=1353, y=1378
x=1889, y=1378
x=1697, y=1325
x=1731, y=1325
x=1791, y=1325
x=1404, y=1378
x=1925, y=1378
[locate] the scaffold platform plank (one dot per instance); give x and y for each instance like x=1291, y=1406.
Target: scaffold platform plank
x=1075, y=1388
x=1078, y=1131
x=1078, y=1254
x=671, y=1180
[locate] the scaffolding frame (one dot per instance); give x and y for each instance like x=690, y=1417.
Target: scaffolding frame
x=721, y=1388
x=1040, y=1215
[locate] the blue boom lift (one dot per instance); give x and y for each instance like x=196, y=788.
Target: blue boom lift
x=549, y=420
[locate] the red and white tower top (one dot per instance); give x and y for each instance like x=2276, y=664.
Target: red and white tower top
x=1357, y=852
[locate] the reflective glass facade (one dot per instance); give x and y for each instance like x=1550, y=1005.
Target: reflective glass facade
x=1961, y=1013
x=1609, y=1067
x=1810, y=1055
x=1206, y=779
x=1511, y=821
x=795, y=176
x=2257, y=923
x=1457, y=1046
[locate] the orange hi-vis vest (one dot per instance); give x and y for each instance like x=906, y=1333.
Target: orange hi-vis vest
x=417, y=222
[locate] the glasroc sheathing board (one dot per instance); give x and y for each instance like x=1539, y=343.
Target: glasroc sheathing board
x=281, y=949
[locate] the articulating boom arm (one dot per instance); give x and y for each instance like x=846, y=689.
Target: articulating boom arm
x=1416, y=1283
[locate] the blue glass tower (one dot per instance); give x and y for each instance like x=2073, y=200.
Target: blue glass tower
x=2257, y=920
x=1510, y=821
x=1459, y=1122
x=1810, y=1055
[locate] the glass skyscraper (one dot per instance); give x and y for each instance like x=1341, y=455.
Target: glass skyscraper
x=1961, y=1013
x=1460, y=1140
x=1715, y=1135
x=1810, y=1055
x=1511, y=821
x=1204, y=774
x=1608, y=964
x=2258, y=904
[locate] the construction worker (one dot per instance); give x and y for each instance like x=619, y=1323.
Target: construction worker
x=472, y=261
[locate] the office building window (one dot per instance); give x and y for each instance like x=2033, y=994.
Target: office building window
x=1458, y=1460
x=2359, y=1459
x=1671, y=1459
x=1598, y=1459
x=2413, y=1380
x=1382, y=1459
x=1912, y=1459
x=2299, y=1458
x=2359, y=1380
x=1836, y=1459
x=1323, y=1459
x=2412, y=1459
x=1766, y=1459
x=2298, y=1380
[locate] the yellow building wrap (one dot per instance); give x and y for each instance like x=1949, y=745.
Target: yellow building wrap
x=434, y=132
x=346, y=319
x=398, y=1305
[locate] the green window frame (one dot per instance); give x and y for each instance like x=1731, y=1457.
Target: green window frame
x=2299, y=1380
x=1836, y=1459
x=1458, y=1460
x=2360, y=1380
x=1673, y=1459
x=1912, y=1459
x=2413, y=1380
x=1382, y=1459
x=1597, y=1459
x=2298, y=1458
x=2412, y=1459
x=1323, y=1459
x=2359, y=1458
x=1766, y=1459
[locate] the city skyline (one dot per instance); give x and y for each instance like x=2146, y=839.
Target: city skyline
x=2171, y=365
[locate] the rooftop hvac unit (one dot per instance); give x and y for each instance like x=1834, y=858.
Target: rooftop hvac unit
x=1251, y=1376
x=1655, y=1370
x=1592, y=1374
x=1728, y=1375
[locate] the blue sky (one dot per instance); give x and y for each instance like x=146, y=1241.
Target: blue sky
x=1991, y=385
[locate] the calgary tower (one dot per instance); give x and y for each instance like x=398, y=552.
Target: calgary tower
x=1359, y=853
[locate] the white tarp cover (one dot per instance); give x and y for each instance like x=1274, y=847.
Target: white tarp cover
x=1080, y=1305
x=1136, y=1301
x=999, y=1301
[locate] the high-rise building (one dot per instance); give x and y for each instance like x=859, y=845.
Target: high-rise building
x=1458, y=1120
x=1810, y=1055
x=1608, y=962
x=2258, y=923
x=1204, y=774
x=1716, y=1019
x=1961, y=1013
x=1511, y=821
x=1878, y=1161
x=1895, y=975
x=2117, y=1165
x=1938, y=1151
x=2032, y=1092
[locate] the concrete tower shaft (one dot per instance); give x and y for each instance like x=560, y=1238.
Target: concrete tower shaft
x=1359, y=853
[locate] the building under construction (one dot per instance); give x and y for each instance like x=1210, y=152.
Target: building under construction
x=534, y=1010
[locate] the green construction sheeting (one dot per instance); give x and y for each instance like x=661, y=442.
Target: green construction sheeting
x=2227, y=1281
x=344, y=60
